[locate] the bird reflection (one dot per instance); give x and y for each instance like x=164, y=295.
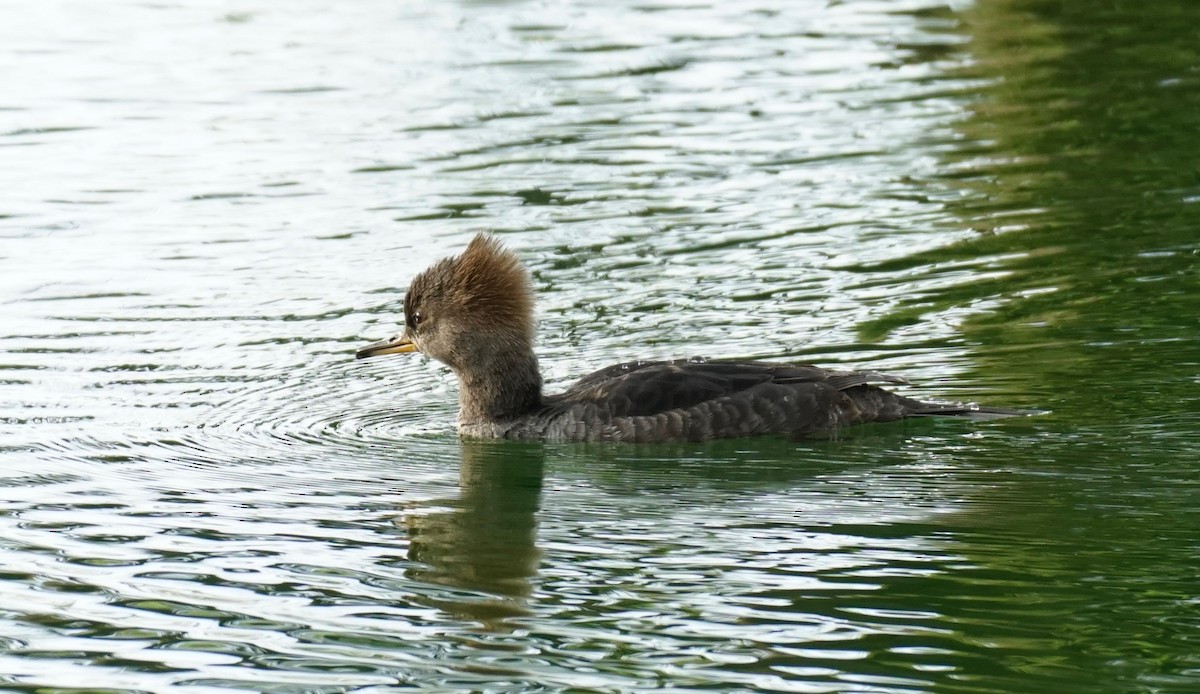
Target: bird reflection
x=483, y=543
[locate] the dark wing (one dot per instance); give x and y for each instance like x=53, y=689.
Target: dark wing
x=644, y=388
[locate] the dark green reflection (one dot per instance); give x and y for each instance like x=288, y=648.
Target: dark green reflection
x=1081, y=165
x=1080, y=168
x=483, y=542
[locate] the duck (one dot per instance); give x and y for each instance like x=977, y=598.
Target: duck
x=474, y=312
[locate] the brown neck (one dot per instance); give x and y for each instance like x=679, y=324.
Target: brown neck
x=499, y=386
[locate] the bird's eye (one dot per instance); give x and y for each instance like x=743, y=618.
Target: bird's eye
x=417, y=317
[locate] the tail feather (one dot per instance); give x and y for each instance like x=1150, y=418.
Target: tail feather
x=875, y=404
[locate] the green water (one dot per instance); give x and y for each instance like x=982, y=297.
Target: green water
x=203, y=212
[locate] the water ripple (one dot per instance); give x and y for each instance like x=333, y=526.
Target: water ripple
x=201, y=490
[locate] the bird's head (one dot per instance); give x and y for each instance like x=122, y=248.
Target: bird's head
x=467, y=309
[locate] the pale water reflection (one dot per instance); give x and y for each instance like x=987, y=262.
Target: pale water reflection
x=206, y=209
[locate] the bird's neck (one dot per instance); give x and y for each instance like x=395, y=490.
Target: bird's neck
x=499, y=386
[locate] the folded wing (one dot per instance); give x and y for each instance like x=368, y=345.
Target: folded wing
x=645, y=388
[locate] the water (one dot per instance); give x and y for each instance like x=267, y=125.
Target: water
x=206, y=209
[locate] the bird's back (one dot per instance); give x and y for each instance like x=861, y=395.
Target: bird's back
x=696, y=399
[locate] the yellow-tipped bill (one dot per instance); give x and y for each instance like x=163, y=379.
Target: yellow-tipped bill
x=392, y=345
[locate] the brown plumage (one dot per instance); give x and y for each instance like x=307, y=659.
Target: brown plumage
x=486, y=286
x=474, y=313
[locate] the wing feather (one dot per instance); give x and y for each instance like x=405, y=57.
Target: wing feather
x=644, y=388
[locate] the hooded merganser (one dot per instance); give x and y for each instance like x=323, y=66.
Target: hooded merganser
x=474, y=313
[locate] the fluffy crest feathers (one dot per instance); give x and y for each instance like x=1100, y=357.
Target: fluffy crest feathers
x=485, y=285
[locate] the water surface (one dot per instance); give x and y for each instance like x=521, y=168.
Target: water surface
x=206, y=210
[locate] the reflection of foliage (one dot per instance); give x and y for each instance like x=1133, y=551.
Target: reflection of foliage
x=1080, y=164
